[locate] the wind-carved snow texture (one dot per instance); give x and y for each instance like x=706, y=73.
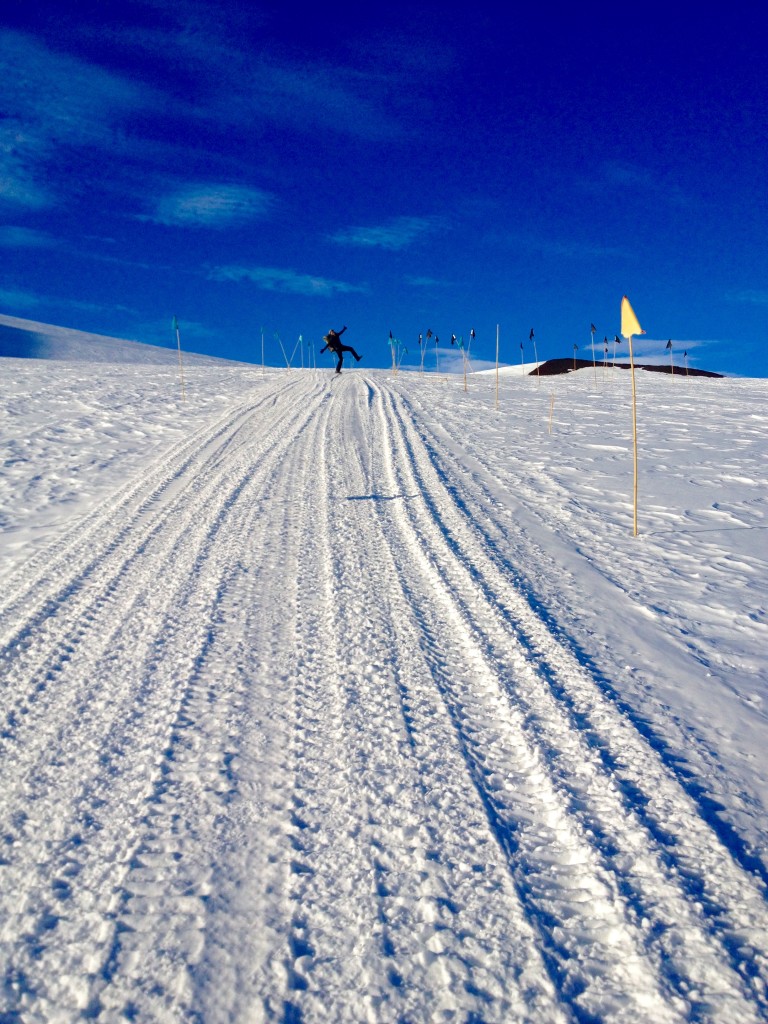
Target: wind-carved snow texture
x=302, y=723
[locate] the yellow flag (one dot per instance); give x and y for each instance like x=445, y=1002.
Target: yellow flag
x=629, y=325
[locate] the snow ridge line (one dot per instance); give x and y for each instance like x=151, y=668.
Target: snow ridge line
x=455, y=530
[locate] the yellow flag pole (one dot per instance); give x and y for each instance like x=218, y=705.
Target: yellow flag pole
x=634, y=439
x=630, y=326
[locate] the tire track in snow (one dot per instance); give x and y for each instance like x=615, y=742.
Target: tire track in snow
x=476, y=505
x=706, y=955
x=86, y=624
x=684, y=750
x=226, y=772
x=435, y=930
x=82, y=569
x=330, y=881
x=75, y=796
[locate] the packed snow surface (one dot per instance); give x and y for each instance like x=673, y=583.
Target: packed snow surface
x=357, y=700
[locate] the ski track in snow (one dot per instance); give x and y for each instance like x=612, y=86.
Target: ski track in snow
x=287, y=735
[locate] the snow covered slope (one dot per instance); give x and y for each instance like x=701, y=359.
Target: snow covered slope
x=28, y=339
x=361, y=703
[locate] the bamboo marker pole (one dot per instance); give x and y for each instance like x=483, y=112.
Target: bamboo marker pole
x=293, y=354
x=592, y=330
x=634, y=440
x=497, y=366
x=466, y=352
x=401, y=351
x=181, y=363
x=630, y=326
x=262, y=352
x=535, y=356
x=551, y=410
x=285, y=357
x=671, y=361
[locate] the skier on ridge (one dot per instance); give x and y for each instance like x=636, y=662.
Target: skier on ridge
x=333, y=342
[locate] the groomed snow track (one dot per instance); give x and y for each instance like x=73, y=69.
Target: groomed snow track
x=287, y=735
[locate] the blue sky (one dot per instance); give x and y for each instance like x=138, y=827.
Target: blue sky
x=419, y=166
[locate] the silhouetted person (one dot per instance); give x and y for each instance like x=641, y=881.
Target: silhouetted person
x=333, y=342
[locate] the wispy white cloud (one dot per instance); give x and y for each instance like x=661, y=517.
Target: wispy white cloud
x=17, y=184
x=51, y=100
x=652, y=350
x=749, y=296
x=449, y=360
x=574, y=249
x=275, y=279
x=237, y=85
x=212, y=206
x=584, y=247
x=13, y=237
x=629, y=178
x=428, y=282
x=396, y=234
x=163, y=329
x=18, y=298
